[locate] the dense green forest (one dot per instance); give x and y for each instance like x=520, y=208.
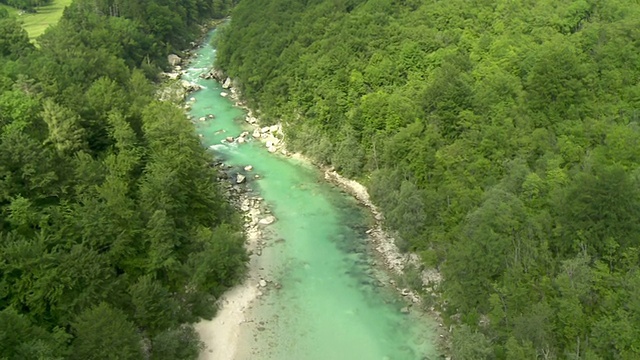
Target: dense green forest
x=501, y=139
x=114, y=235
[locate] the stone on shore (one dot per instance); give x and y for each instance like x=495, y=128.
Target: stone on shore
x=174, y=59
x=227, y=83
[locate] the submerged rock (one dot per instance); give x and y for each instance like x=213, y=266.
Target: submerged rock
x=267, y=220
x=248, y=168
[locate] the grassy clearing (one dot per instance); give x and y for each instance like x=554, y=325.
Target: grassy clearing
x=37, y=23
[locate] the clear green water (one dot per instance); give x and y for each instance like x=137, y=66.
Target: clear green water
x=331, y=305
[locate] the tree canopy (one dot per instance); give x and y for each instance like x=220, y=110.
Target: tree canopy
x=114, y=235
x=499, y=137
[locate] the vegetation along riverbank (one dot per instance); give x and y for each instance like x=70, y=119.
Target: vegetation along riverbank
x=497, y=138
x=114, y=234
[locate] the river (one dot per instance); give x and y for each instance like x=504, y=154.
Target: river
x=333, y=303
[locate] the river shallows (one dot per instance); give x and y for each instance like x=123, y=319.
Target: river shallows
x=331, y=305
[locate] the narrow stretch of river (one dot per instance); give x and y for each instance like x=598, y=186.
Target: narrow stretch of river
x=332, y=304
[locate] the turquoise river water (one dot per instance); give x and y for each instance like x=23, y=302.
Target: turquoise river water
x=332, y=304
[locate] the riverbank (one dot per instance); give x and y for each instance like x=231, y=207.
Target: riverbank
x=393, y=261
x=318, y=254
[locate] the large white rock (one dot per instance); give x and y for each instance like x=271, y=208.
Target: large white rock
x=267, y=220
x=240, y=178
x=227, y=83
x=174, y=59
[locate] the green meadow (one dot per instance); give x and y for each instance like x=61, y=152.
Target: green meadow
x=35, y=24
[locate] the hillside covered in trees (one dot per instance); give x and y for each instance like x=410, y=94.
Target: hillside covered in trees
x=114, y=235
x=501, y=139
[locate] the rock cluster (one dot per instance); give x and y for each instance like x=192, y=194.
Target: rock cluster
x=272, y=136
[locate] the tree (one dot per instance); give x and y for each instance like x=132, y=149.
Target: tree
x=14, y=40
x=103, y=332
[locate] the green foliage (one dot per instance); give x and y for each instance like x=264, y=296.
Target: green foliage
x=103, y=332
x=177, y=344
x=113, y=234
x=500, y=139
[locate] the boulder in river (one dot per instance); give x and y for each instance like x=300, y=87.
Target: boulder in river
x=224, y=94
x=256, y=134
x=240, y=178
x=189, y=86
x=267, y=220
x=262, y=283
x=248, y=168
x=240, y=140
x=229, y=139
x=272, y=149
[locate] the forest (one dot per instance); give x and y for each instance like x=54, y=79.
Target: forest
x=114, y=234
x=500, y=138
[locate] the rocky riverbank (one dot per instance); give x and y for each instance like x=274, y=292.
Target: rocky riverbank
x=394, y=261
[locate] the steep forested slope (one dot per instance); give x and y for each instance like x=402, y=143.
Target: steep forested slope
x=113, y=234
x=501, y=138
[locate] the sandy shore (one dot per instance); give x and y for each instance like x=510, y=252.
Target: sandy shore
x=228, y=331
x=222, y=334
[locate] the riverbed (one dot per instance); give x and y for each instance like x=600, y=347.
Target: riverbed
x=323, y=297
